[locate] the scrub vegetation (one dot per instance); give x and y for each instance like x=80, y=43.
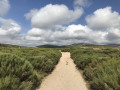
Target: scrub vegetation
x=23, y=68
x=100, y=65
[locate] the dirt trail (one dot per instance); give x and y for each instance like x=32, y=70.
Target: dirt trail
x=64, y=77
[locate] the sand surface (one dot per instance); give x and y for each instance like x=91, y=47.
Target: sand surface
x=64, y=77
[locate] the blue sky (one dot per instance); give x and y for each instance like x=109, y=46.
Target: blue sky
x=84, y=19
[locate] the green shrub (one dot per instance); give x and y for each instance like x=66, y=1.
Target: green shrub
x=65, y=49
x=25, y=67
x=100, y=67
x=42, y=63
x=12, y=66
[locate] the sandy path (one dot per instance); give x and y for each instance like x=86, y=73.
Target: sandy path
x=64, y=77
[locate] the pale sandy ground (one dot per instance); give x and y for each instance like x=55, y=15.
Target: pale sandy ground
x=64, y=77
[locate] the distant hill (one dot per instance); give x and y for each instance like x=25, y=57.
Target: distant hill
x=76, y=44
x=113, y=45
x=87, y=44
x=82, y=44
x=50, y=46
x=9, y=45
x=57, y=46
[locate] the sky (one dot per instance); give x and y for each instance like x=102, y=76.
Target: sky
x=59, y=22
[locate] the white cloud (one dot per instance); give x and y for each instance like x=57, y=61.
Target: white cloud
x=103, y=27
x=2, y=32
x=31, y=13
x=9, y=25
x=35, y=34
x=9, y=31
x=71, y=34
x=52, y=15
x=80, y=34
x=103, y=31
x=83, y=3
x=106, y=21
x=113, y=35
x=4, y=7
x=104, y=18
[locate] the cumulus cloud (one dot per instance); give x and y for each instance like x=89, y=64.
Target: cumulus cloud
x=108, y=21
x=51, y=15
x=71, y=34
x=31, y=13
x=4, y=7
x=10, y=32
x=103, y=26
x=49, y=26
x=83, y=3
x=103, y=18
x=9, y=26
x=113, y=35
x=35, y=34
x=9, y=29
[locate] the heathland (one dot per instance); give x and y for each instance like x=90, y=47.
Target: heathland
x=24, y=68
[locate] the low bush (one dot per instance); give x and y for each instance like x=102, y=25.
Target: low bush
x=100, y=67
x=23, y=68
x=65, y=49
x=15, y=70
